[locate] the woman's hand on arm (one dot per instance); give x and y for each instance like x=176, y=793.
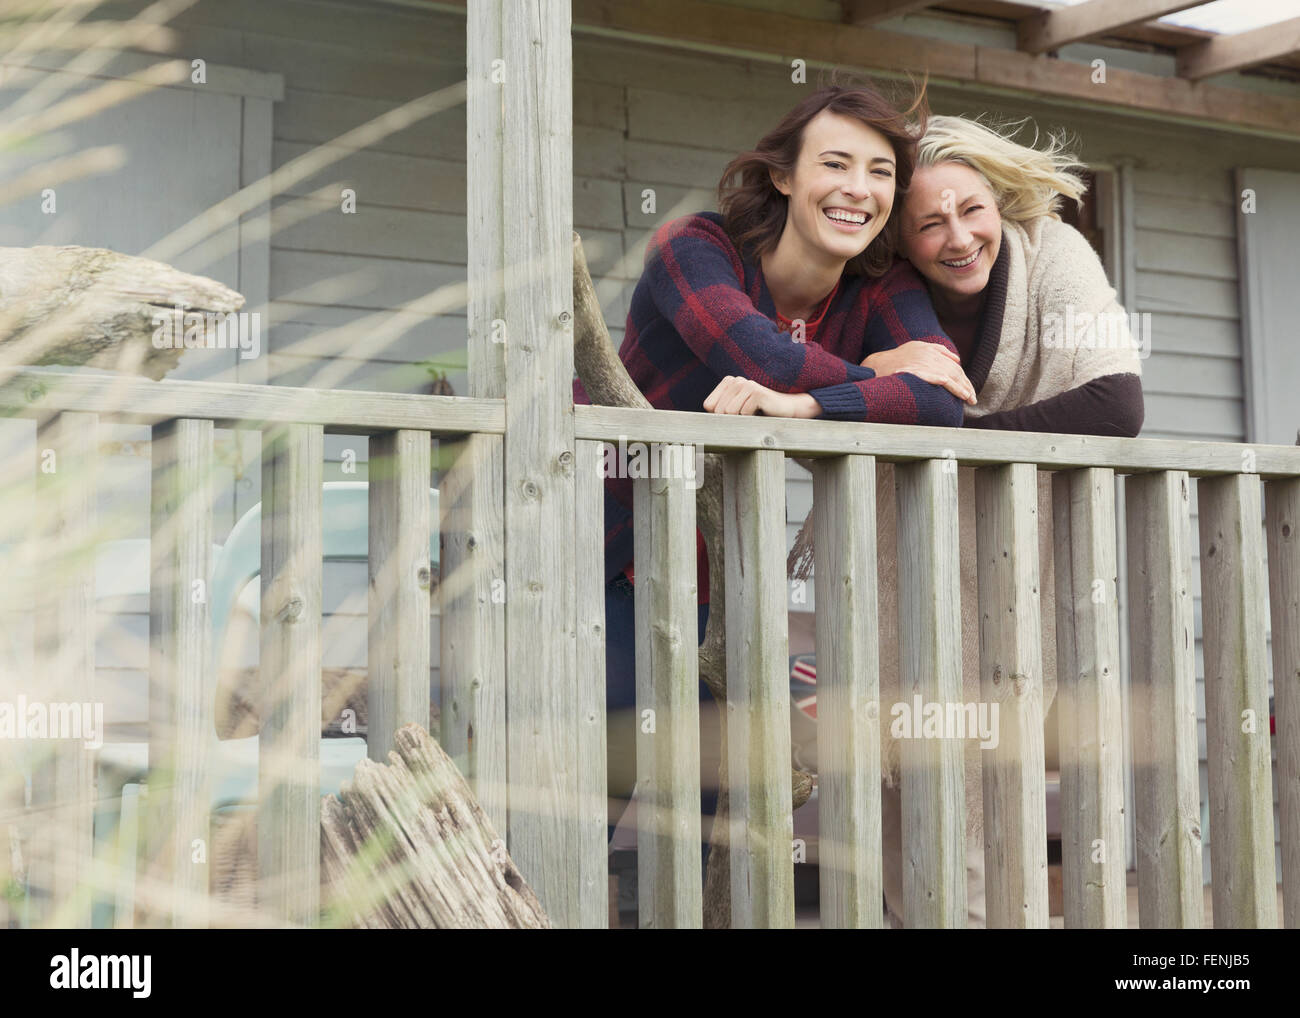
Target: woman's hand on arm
x=930, y=362
x=736, y=395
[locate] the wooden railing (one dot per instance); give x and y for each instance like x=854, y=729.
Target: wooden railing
x=1232, y=481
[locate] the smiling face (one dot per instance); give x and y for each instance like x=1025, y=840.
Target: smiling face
x=841, y=191
x=951, y=231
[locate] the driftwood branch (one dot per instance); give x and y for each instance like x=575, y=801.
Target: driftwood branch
x=799, y=563
x=406, y=846
x=608, y=384
x=91, y=306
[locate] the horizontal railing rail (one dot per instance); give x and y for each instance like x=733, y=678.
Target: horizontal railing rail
x=33, y=392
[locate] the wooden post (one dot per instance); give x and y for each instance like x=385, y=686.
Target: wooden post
x=1011, y=677
x=63, y=779
x=397, y=691
x=472, y=655
x=1236, y=702
x=1088, y=694
x=182, y=678
x=929, y=639
x=848, y=693
x=670, y=880
x=288, y=815
x=758, y=691
x=521, y=194
x=1163, y=643
x=472, y=659
x=593, y=784
x=1282, y=503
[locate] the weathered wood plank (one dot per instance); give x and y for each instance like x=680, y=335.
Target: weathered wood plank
x=724, y=433
x=758, y=692
x=526, y=186
x=1052, y=29
x=1282, y=524
x=1236, y=702
x=1011, y=678
x=41, y=391
x=182, y=676
x=485, y=223
x=669, y=878
x=472, y=655
x=589, y=542
x=930, y=662
x=1088, y=698
x=63, y=777
x=1234, y=50
x=400, y=584
x=288, y=816
x=1162, y=638
x=848, y=694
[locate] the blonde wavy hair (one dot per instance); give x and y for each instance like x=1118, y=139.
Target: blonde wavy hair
x=1027, y=182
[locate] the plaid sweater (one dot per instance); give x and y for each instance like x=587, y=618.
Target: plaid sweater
x=701, y=311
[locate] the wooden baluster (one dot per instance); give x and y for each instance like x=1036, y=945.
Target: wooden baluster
x=1165, y=757
x=67, y=449
x=1282, y=524
x=758, y=691
x=400, y=574
x=930, y=663
x=472, y=656
x=1244, y=884
x=1011, y=678
x=848, y=693
x=288, y=817
x=593, y=806
x=1088, y=693
x=669, y=876
x=182, y=679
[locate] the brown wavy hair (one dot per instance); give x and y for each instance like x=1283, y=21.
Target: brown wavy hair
x=754, y=211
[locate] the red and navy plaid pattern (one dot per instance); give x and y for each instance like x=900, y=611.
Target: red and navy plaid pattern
x=803, y=684
x=702, y=311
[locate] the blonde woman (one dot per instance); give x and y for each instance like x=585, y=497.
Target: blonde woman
x=1046, y=347
x=1009, y=280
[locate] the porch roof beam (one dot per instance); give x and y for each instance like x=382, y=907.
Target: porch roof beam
x=868, y=12
x=1243, y=49
x=722, y=29
x=1049, y=30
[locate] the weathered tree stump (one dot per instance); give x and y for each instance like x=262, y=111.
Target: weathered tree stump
x=406, y=846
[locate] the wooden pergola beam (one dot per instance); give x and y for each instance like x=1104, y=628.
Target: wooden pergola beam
x=715, y=27
x=1243, y=49
x=1049, y=30
x=718, y=28
x=868, y=12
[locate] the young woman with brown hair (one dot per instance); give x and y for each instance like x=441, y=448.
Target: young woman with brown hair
x=788, y=302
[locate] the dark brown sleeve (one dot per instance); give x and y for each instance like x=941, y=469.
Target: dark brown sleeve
x=1110, y=405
